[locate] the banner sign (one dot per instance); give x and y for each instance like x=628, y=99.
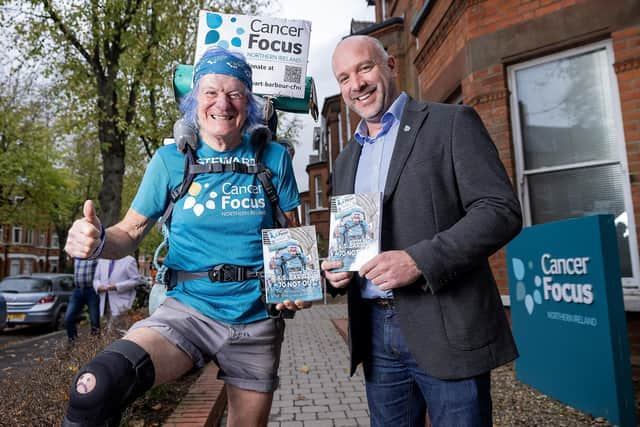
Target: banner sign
x=568, y=316
x=277, y=49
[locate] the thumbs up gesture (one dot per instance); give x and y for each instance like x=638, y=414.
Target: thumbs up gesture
x=84, y=235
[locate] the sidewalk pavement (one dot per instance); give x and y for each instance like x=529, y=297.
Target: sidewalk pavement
x=315, y=387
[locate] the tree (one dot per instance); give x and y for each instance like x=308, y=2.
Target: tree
x=44, y=178
x=114, y=58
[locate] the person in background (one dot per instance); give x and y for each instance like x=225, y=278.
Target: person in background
x=215, y=309
x=115, y=281
x=425, y=315
x=83, y=294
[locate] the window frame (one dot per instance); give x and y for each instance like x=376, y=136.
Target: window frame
x=522, y=174
x=14, y=230
x=317, y=187
x=55, y=241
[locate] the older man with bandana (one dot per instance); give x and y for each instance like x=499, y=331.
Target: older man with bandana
x=218, y=222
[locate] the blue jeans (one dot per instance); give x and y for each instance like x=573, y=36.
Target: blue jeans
x=398, y=391
x=79, y=298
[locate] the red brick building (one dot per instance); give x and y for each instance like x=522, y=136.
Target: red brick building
x=557, y=84
x=25, y=250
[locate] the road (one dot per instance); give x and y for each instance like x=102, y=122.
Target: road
x=23, y=347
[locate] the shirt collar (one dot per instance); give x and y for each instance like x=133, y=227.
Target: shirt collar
x=389, y=118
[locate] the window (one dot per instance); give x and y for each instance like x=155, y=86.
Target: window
x=318, y=187
x=14, y=267
x=66, y=283
x=54, y=240
x=570, y=152
x=28, y=266
x=42, y=240
x=1, y=234
x=307, y=214
x=29, y=240
x=17, y=235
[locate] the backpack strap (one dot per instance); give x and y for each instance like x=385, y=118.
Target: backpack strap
x=179, y=192
x=278, y=215
x=260, y=138
x=226, y=167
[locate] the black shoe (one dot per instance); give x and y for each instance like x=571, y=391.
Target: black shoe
x=111, y=422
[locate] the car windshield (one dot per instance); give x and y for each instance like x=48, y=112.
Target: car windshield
x=25, y=285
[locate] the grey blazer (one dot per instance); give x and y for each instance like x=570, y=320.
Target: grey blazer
x=449, y=203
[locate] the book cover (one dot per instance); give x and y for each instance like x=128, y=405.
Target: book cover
x=354, y=229
x=291, y=264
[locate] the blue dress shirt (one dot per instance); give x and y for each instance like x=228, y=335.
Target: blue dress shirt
x=373, y=167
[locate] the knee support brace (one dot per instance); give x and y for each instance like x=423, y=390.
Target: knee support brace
x=121, y=373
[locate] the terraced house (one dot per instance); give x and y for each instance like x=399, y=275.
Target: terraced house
x=25, y=250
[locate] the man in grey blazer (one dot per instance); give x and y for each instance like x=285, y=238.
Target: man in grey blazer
x=425, y=315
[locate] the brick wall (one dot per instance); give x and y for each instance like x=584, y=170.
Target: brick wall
x=492, y=15
x=204, y=404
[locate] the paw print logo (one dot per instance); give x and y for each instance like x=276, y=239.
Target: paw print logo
x=191, y=202
x=214, y=22
x=530, y=299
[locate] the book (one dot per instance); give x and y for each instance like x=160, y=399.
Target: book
x=291, y=264
x=354, y=229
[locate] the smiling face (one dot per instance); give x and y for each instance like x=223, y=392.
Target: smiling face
x=366, y=77
x=222, y=110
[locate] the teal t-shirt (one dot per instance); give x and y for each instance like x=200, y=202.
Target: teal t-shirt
x=218, y=221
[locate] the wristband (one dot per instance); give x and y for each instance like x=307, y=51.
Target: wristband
x=98, y=251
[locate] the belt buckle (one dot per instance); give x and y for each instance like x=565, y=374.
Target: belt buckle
x=387, y=303
x=223, y=273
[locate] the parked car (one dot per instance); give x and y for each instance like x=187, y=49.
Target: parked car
x=3, y=312
x=40, y=298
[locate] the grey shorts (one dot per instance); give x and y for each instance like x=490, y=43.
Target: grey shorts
x=248, y=355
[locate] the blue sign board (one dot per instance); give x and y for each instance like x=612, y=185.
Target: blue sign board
x=568, y=316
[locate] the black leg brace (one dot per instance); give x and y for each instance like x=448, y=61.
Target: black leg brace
x=123, y=372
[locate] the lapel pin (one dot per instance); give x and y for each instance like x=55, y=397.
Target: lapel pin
x=407, y=128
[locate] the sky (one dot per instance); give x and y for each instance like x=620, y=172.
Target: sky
x=330, y=21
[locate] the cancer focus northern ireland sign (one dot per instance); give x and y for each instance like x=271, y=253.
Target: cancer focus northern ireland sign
x=568, y=316
x=277, y=49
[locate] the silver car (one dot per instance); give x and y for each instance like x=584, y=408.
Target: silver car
x=40, y=298
x=3, y=312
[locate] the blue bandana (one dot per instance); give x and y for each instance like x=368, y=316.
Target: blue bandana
x=221, y=61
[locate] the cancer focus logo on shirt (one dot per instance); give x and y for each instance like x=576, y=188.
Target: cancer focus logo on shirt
x=233, y=200
x=236, y=196
x=191, y=201
x=554, y=282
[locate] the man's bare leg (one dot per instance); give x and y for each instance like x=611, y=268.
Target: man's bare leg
x=168, y=360
x=247, y=407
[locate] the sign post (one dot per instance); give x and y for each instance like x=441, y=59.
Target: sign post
x=568, y=316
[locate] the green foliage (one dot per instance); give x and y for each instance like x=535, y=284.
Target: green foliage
x=32, y=172
x=289, y=126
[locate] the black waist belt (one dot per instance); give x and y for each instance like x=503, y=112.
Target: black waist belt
x=219, y=273
x=387, y=303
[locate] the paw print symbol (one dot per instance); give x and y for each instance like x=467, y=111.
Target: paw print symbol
x=535, y=297
x=192, y=203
